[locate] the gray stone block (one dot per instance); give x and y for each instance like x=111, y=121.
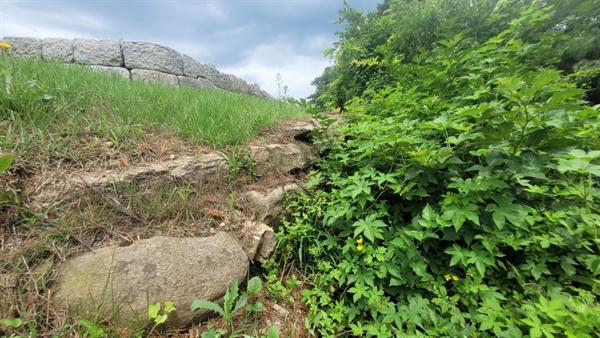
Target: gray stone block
x=154, y=76
x=98, y=52
x=25, y=47
x=112, y=70
x=58, y=49
x=196, y=83
x=195, y=69
x=146, y=55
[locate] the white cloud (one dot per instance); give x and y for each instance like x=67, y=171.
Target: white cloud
x=262, y=64
x=38, y=22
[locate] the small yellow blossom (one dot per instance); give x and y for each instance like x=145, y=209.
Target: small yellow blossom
x=360, y=247
x=449, y=277
x=359, y=241
x=5, y=45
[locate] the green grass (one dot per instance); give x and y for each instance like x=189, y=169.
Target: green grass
x=44, y=101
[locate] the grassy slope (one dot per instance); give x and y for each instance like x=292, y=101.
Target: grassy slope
x=56, y=117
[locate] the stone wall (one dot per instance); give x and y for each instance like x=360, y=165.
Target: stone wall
x=135, y=60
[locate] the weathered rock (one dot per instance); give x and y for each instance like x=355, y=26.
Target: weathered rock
x=112, y=70
x=146, y=55
x=192, y=169
x=269, y=207
x=258, y=240
x=154, y=76
x=195, y=69
x=57, y=49
x=98, y=52
x=196, y=83
x=282, y=157
x=158, y=269
x=25, y=47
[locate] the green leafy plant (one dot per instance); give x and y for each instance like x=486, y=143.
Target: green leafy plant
x=157, y=316
x=462, y=199
x=233, y=302
x=92, y=329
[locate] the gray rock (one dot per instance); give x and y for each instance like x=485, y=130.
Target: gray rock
x=196, y=83
x=57, y=49
x=146, y=55
x=269, y=207
x=192, y=169
x=154, y=76
x=195, y=69
x=98, y=52
x=282, y=157
x=258, y=240
x=158, y=269
x=112, y=70
x=25, y=47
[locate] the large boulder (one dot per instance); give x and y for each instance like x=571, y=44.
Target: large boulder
x=128, y=279
x=97, y=52
x=146, y=55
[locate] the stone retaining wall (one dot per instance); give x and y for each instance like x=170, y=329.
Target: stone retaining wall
x=135, y=60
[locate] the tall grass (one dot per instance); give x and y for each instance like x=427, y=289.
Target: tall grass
x=40, y=99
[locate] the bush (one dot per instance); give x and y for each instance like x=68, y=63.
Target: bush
x=463, y=200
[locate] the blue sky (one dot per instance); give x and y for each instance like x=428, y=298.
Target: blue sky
x=253, y=39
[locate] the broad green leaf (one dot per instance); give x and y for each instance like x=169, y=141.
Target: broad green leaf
x=5, y=162
x=370, y=228
x=169, y=307
x=93, y=330
x=254, y=285
x=273, y=332
x=11, y=322
x=204, y=304
x=153, y=310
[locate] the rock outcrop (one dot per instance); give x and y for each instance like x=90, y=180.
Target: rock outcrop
x=128, y=279
x=135, y=60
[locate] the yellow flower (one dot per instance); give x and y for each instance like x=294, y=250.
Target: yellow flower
x=5, y=45
x=359, y=241
x=449, y=277
x=360, y=247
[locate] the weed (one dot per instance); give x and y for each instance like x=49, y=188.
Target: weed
x=233, y=302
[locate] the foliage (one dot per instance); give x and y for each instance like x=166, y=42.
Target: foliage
x=155, y=314
x=462, y=199
x=233, y=302
x=401, y=30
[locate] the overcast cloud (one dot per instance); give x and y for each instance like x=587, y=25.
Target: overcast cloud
x=253, y=39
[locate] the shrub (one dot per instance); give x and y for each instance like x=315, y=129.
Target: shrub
x=461, y=201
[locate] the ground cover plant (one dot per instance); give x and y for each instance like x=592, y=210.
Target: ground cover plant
x=460, y=198
x=58, y=120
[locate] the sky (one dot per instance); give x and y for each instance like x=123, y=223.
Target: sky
x=252, y=39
